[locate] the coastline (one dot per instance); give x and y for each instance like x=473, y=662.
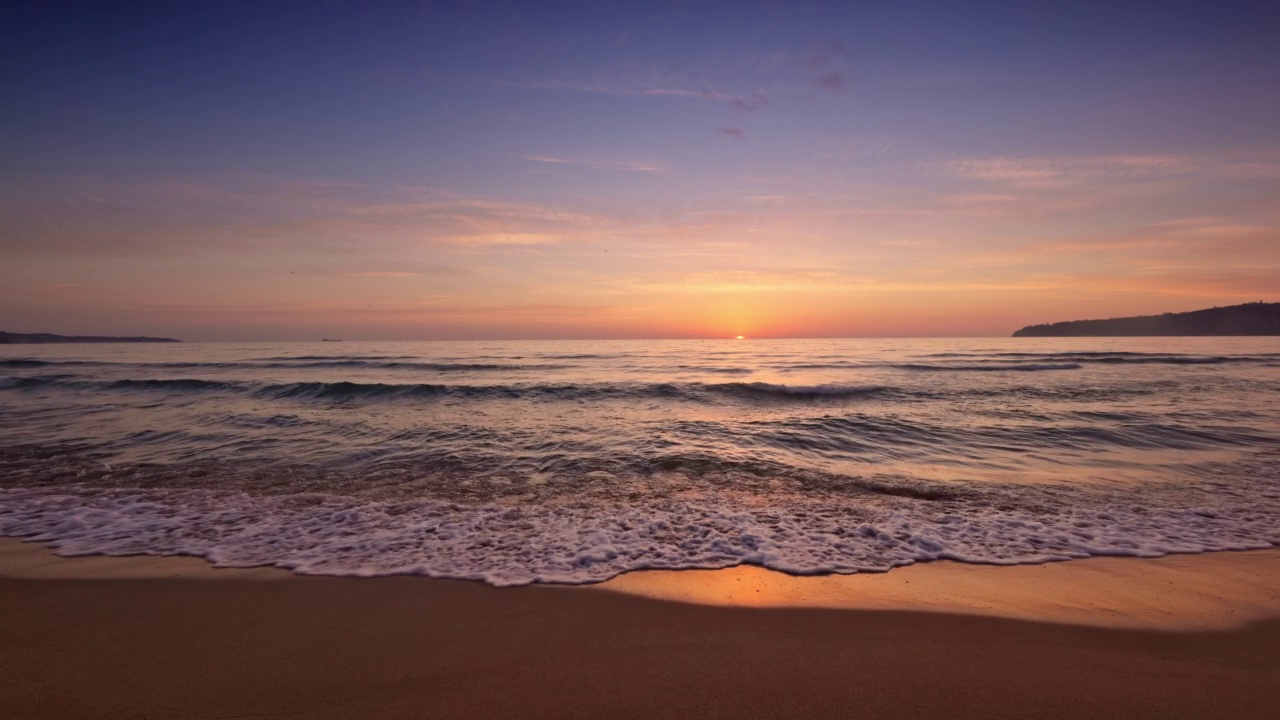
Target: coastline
x=1182, y=592
x=143, y=637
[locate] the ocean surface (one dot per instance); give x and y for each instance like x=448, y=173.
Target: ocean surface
x=519, y=462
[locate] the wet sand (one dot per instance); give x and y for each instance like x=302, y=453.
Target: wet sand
x=1178, y=592
x=171, y=637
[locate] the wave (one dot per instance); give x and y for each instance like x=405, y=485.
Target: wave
x=346, y=390
x=709, y=369
x=1068, y=362
x=307, y=364
x=179, y=384
x=1168, y=360
x=1116, y=357
x=681, y=391
x=802, y=391
x=394, y=364
x=686, y=391
x=992, y=367
x=1025, y=367
x=504, y=544
x=1049, y=362
x=1099, y=353
x=23, y=382
x=287, y=358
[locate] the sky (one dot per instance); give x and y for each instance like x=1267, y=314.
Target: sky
x=476, y=170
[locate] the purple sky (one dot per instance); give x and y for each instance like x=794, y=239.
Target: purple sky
x=475, y=170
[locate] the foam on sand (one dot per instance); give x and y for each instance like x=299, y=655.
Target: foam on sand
x=503, y=544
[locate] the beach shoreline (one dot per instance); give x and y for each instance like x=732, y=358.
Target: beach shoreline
x=1180, y=592
x=173, y=637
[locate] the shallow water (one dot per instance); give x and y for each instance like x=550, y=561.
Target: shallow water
x=574, y=461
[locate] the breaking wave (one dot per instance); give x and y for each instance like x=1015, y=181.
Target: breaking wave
x=516, y=544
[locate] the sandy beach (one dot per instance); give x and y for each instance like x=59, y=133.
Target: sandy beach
x=172, y=637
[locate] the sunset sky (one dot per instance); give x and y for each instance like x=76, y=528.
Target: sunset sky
x=424, y=170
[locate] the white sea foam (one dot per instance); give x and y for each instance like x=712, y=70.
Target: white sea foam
x=506, y=545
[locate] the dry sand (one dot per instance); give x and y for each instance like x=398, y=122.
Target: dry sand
x=173, y=638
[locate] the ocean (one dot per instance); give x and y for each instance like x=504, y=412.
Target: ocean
x=575, y=461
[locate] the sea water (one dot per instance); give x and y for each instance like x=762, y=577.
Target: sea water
x=574, y=461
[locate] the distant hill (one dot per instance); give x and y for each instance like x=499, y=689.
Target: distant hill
x=1257, y=318
x=16, y=338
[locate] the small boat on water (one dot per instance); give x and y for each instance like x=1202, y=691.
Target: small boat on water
x=329, y=340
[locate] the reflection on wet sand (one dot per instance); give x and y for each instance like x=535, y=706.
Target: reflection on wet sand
x=1183, y=592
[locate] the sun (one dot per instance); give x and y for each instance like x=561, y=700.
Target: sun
x=740, y=337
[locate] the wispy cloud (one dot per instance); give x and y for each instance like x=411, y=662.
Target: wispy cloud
x=823, y=63
x=247, y=214
x=616, y=87
x=624, y=166
x=1213, y=227
x=824, y=56
x=1062, y=170
x=746, y=281
x=750, y=103
x=1048, y=171
x=643, y=85
x=732, y=132
x=832, y=80
x=862, y=148
x=507, y=238
x=985, y=204
x=387, y=274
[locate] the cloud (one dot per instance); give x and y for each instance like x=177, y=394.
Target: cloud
x=746, y=281
x=750, y=103
x=506, y=238
x=824, y=56
x=1056, y=171
x=388, y=274
x=979, y=204
x=825, y=62
x=643, y=85
x=1211, y=227
x=861, y=149
x=624, y=166
x=261, y=215
x=732, y=132
x=833, y=80
x=616, y=87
